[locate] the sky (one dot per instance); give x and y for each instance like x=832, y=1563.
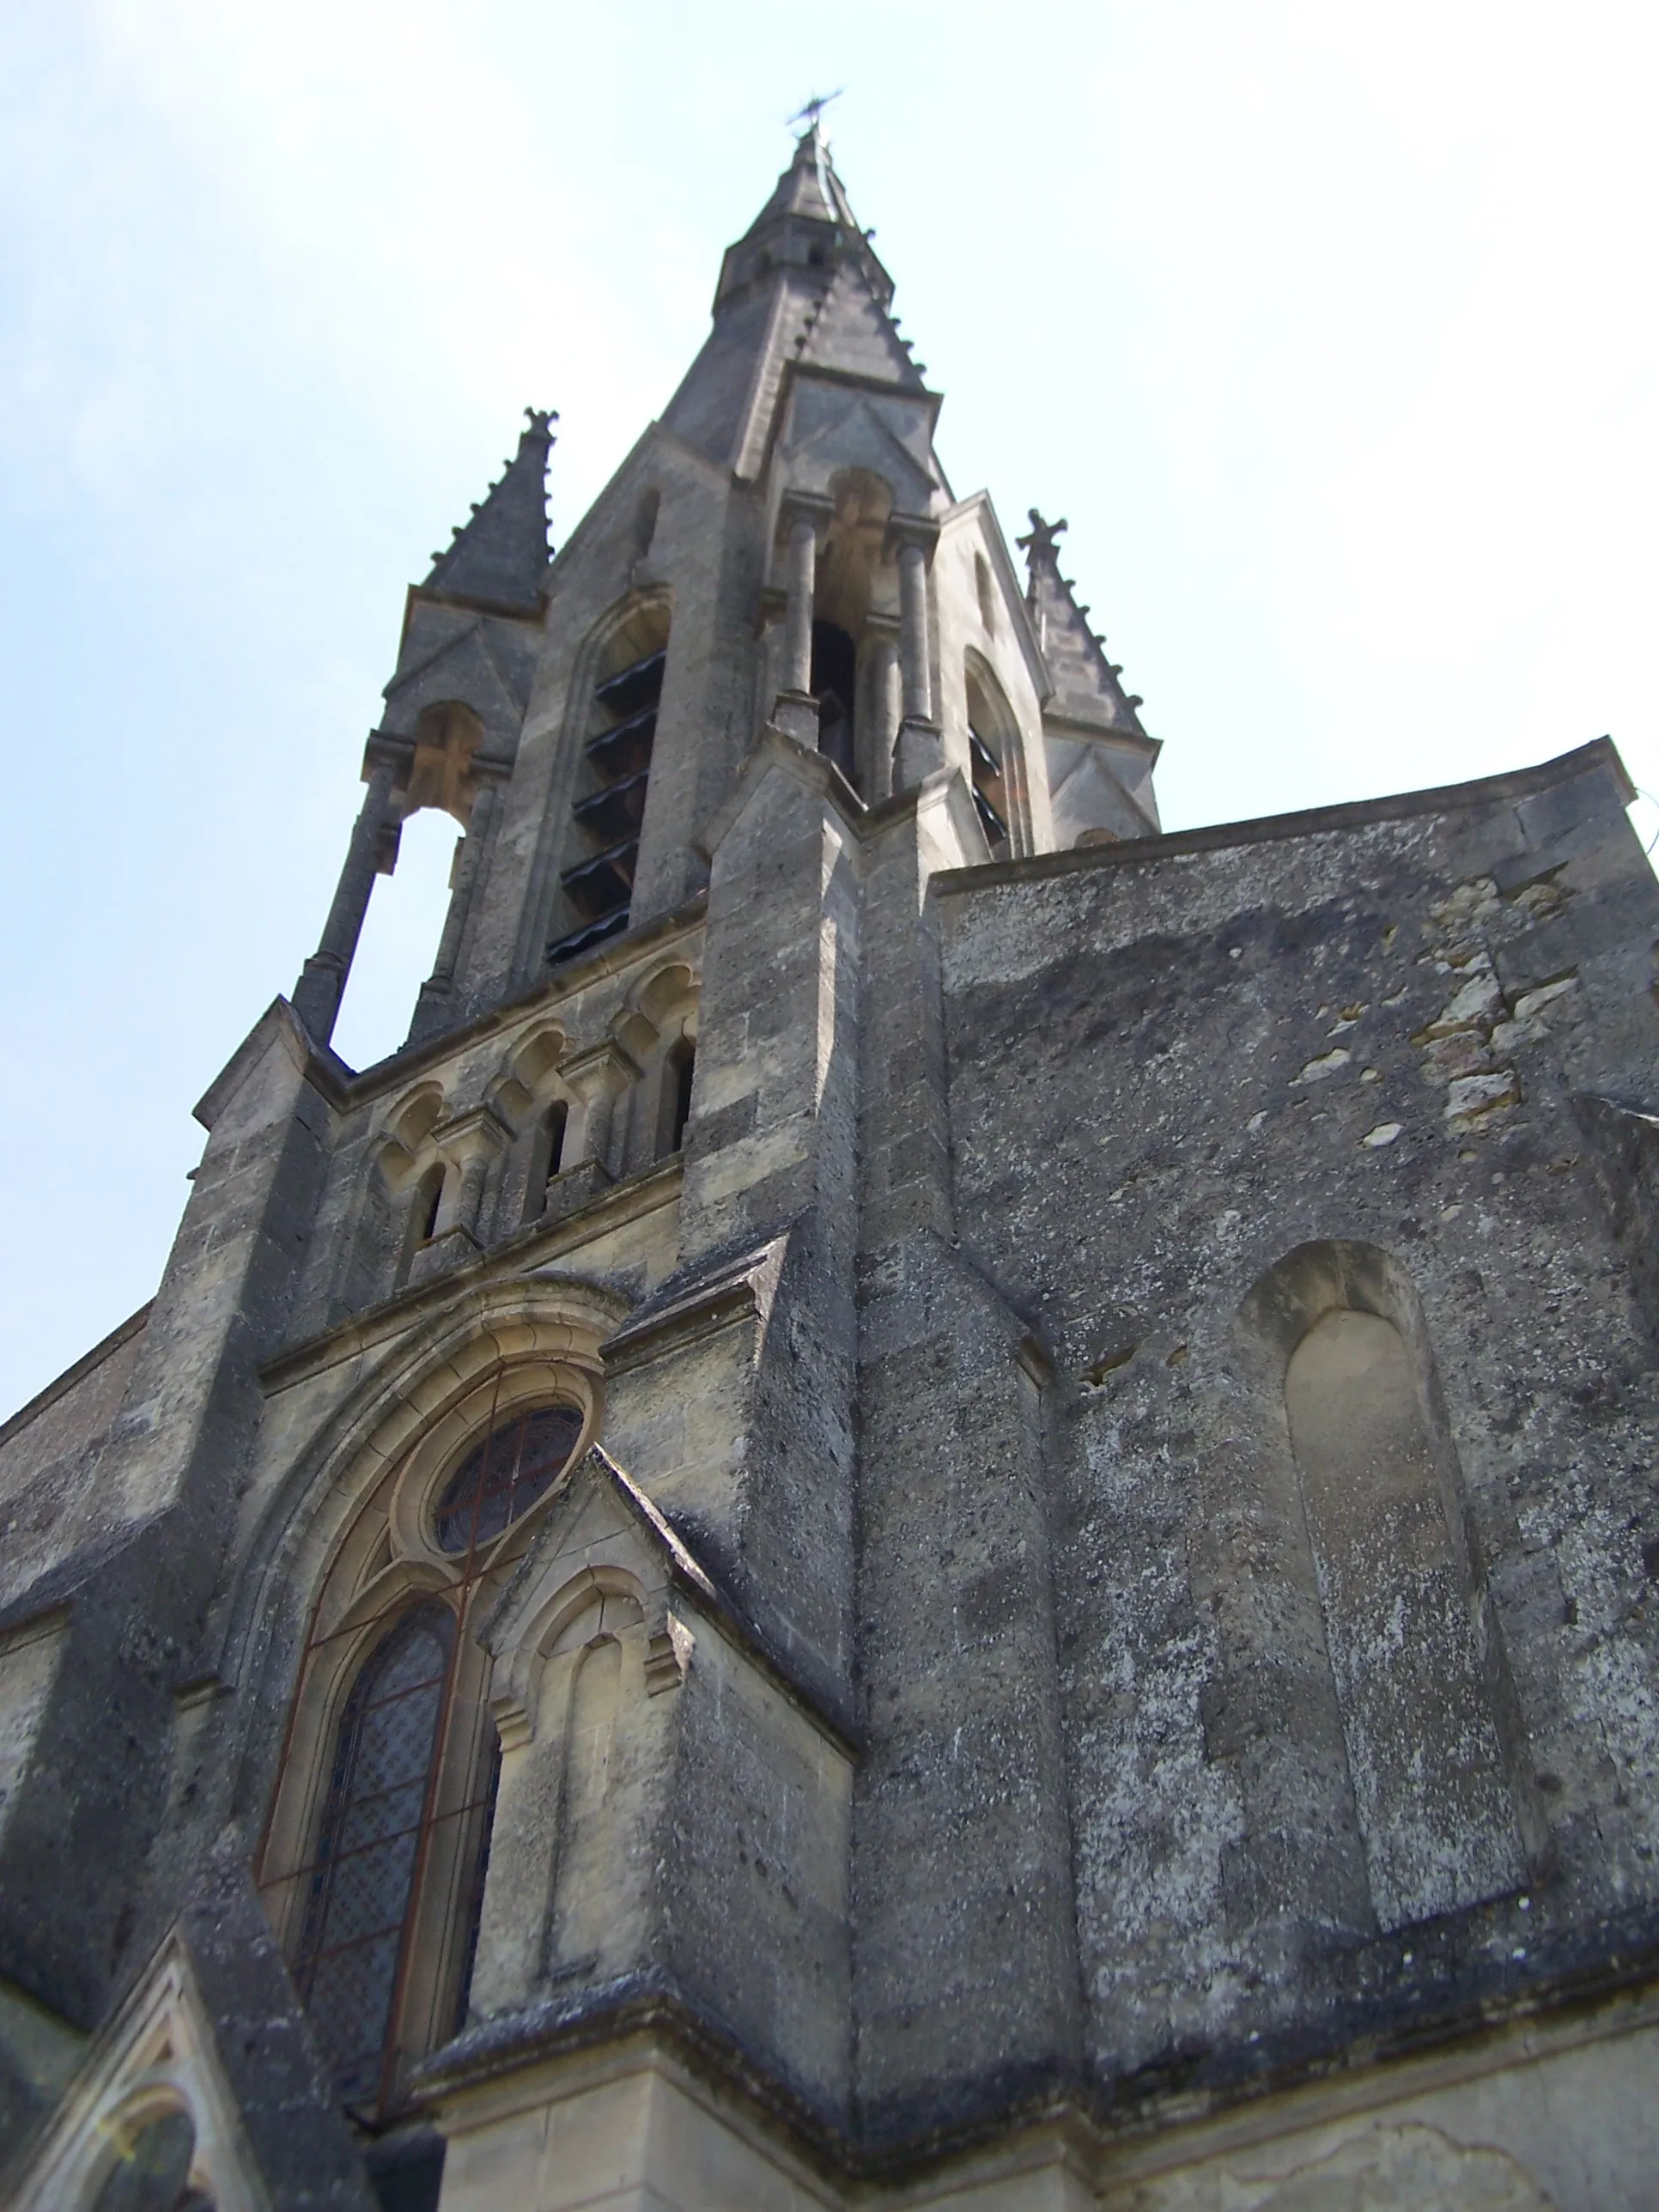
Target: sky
x=1332, y=331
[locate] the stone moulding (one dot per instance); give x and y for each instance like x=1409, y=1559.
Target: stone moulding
x=1109, y=2131
x=728, y=1294
x=1600, y=753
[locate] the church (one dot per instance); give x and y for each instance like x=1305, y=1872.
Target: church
x=940, y=1502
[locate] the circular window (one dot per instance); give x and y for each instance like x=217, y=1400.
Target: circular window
x=517, y=1464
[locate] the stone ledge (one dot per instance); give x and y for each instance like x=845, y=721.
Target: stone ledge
x=1354, y=814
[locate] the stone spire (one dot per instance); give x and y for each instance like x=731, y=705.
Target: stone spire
x=1085, y=683
x=802, y=284
x=500, y=556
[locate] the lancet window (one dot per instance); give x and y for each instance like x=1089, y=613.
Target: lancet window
x=615, y=775
x=373, y=1863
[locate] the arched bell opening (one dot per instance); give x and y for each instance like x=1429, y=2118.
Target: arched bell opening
x=613, y=775
x=835, y=686
x=855, y=613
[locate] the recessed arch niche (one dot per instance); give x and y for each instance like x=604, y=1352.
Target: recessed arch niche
x=1428, y=1718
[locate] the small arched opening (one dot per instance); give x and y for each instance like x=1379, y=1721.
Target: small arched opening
x=678, y=1072
x=547, y=1157
x=425, y=1201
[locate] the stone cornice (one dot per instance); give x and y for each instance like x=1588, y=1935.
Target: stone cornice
x=1354, y=814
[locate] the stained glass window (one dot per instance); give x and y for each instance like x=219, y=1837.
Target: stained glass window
x=515, y=1465
x=361, y=1891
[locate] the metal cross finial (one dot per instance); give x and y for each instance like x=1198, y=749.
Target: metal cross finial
x=814, y=108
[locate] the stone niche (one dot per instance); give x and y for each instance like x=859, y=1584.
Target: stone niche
x=1354, y=1428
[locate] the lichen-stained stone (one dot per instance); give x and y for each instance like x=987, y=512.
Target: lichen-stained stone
x=939, y=1502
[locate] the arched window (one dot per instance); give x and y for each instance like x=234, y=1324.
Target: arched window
x=363, y=1888
x=375, y=1854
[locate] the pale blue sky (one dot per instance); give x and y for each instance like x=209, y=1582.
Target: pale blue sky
x=1332, y=331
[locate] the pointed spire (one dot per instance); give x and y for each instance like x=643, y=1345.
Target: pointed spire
x=500, y=555
x=803, y=283
x=1085, y=683
x=809, y=187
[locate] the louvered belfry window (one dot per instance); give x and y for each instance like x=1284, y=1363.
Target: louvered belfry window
x=616, y=758
x=363, y=1884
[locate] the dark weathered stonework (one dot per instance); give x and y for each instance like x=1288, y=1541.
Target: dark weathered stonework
x=1097, y=1644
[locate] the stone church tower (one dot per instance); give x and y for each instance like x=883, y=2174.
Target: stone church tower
x=939, y=1502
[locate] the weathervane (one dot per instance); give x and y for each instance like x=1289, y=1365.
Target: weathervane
x=810, y=114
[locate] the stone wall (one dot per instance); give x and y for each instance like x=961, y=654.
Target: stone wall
x=1375, y=1034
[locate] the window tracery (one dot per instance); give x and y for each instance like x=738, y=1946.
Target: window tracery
x=500, y=1481
x=374, y=1863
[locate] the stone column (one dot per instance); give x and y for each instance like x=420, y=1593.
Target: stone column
x=920, y=752
x=434, y=1008
x=322, y=981
x=886, y=704
x=795, y=711
x=801, y=582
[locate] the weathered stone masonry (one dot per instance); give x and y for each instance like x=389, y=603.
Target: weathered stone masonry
x=939, y=1502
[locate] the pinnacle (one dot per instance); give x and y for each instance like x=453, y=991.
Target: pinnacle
x=501, y=553
x=1085, y=683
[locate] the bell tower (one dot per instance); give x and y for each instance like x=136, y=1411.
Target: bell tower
x=783, y=549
